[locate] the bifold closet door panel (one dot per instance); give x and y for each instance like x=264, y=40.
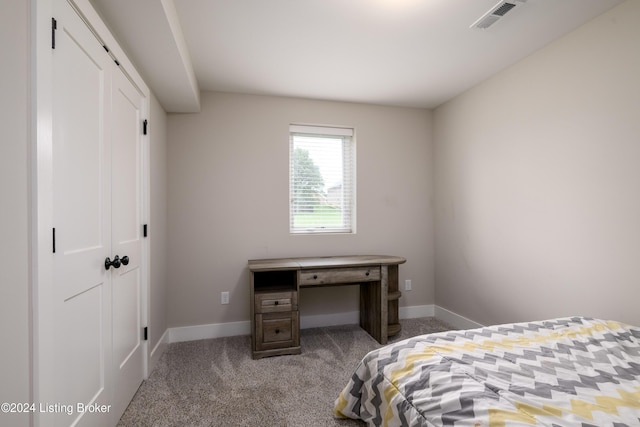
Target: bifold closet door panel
x=81, y=154
x=126, y=202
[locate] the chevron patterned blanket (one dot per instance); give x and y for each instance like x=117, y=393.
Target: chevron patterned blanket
x=560, y=372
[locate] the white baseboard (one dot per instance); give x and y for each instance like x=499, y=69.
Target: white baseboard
x=416, y=311
x=219, y=330
x=455, y=320
x=213, y=330
x=353, y=317
x=321, y=320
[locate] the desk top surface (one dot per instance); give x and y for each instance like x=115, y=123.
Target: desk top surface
x=322, y=262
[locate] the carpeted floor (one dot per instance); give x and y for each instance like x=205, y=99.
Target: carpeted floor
x=216, y=383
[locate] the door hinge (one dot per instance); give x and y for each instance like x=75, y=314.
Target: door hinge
x=145, y=333
x=54, y=240
x=145, y=230
x=144, y=127
x=54, y=27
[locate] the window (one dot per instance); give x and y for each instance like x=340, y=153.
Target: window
x=321, y=179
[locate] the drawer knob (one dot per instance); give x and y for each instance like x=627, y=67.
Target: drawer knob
x=276, y=302
x=367, y=273
x=277, y=331
x=315, y=276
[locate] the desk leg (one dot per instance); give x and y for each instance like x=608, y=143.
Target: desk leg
x=374, y=307
x=384, y=304
x=393, y=295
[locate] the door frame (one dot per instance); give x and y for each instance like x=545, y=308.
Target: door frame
x=41, y=100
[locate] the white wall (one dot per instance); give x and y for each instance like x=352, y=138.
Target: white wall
x=229, y=200
x=538, y=182
x=158, y=226
x=15, y=357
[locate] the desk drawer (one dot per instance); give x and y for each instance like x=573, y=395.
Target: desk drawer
x=329, y=276
x=277, y=330
x=273, y=302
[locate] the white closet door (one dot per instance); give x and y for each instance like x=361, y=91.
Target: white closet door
x=97, y=214
x=81, y=154
x=126, y=191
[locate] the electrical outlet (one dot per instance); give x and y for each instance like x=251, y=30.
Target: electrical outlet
x=224, y=298
x=407, y=285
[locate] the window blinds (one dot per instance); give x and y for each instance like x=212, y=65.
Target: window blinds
x=322, y=179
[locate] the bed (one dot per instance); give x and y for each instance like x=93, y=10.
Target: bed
x=562, y=372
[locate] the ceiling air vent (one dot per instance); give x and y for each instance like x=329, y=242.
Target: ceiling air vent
x=496, y=13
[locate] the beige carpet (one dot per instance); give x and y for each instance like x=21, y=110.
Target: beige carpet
x=216, y=383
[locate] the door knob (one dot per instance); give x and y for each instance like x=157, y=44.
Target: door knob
x=115, y=263
x=125, y=260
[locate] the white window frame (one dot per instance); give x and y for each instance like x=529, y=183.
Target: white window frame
x=348, y=193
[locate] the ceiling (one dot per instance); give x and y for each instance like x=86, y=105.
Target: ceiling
x=416, y=53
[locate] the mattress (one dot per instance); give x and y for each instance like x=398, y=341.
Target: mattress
x=561, y=372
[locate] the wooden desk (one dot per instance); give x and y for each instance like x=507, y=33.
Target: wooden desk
x=275, y=284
